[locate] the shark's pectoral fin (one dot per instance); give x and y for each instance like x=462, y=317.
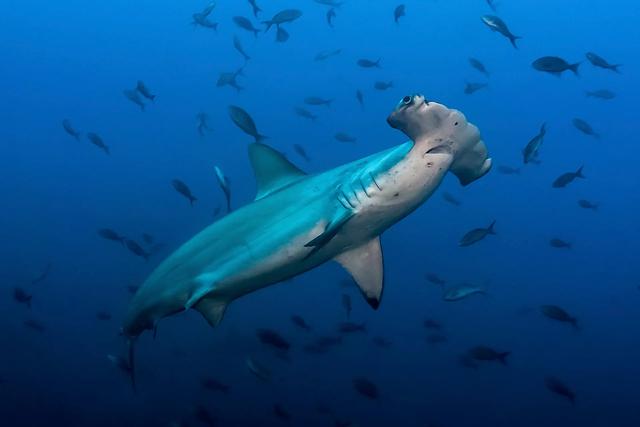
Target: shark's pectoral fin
x=211, y=309
x=366, y=267
x=334, y=226
x=272, y=169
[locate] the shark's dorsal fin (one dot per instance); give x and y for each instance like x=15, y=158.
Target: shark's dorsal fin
x=272, y=169
x=366, y=267
x=211, y=309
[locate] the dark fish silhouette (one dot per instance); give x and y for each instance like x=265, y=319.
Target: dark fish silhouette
x=604, y=94
x=498, y=25
x=238, y=46
x=202, y=18
x=559, y=243
x=477, y=234
x=471, y=88
x=435, y=339
x=350, y=327
x=560, y=388
x=259, y=370
x=531, y=150
x=367, y=63
x=346, y=303
x=280, y=412
x=344, y=137
x=282, y=17
x=316, y=101
x=245, y=24
x=243, y=120
x=212, y=384
x=435, y=279
x=383, y=85
x=202, y=123
x=109, y=234
x=34, y=325
x=300, y=322
x=331, y=13
x=272, y=338
x=95, y=139
x=508, y=170
x=230, y=79
x=554, y=65
x=585, y=128
x=366, y=388
x=600, y=62
x=147, y=238
x=487, y=354
x=132, y=289
x=360, y=98
x=103, y=315
x=432, y=324
x=182, y=188
x=399, y=12
x=492, y=5
x=136, y=249
x=144, y=90
x=124, y=366
x=586, y=204
x=255, y=8
x=448, y=197
x=205, y=417
x=134, y=96
x=475, y=63
x=301, y=151
x=43, y=275
x=302, y=112
x=21, y=296
x=66, y=124
x=559, y=314
x=326, y=54
x=567, y=178
x=462, y=291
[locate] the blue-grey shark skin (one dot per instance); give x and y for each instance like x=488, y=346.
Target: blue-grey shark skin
x=300, y=221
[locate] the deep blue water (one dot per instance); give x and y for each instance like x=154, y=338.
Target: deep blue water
x=73, y=59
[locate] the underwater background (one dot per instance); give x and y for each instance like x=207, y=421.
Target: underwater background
x=65, y=288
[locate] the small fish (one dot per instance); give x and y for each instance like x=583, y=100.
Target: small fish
x=435, y=339
x=183, y=189
x=332, y=3
x=66, y=124
x=243, y=120
x=398, y=12
x=272, y=338
x=366, y=388
x=302, y=112
x=95, y=139
x=471, y=88
x=134, y=96
x=432, y=324
x=260, y=371
x=132, y=289
x=282, y=17
x=601, y=94
x=202, y=415
x=136, y=249
x=350, y=327
x=367, y=63
x=34, y=325
x=109, y=234
x=492, y=5
x=508, y=170
x=554, y=65
x=245, y=24
x=202, y=123
x=202, y=18
x=559, y=314
x=255, y=8
x=212, y=384
x=532, y=148
x=360, y=98
x=487, y=354
x=331, y=13
x=477, y=234
x=567, y=178
x=381, y=342
x=449, y=198
x=435, y=279
x=238, y=46
x=43, y=275
x=599, y=61
x=144, y=90
x=344, y=137
x=280, y=412
x=301, y=152
x=300, y=322
x=316, y=101
x=346, y=303
x=223, y=182
x=586, y=204
x=559, y=243
x=498, y=25
x=460, y=292
x=21, y=296
x=383, y=85
x=103, y=315
x=585, y=128
x=475, y=63
x=326, y=54
x=558, y=387
x=230, y=79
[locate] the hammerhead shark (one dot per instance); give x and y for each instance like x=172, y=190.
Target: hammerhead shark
x=299, y=221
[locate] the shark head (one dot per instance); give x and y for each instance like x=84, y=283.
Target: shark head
x=435, y=128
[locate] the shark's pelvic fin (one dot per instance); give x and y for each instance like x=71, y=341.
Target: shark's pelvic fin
x=366, y=267
x=212, y=310
x=330, y=231
x=272, y=169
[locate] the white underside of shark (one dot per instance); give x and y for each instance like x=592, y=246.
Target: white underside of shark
x=300, y=221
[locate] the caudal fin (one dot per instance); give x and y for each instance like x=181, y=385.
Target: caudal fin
x=502, y=357
x=574, y=68
x=490, y=229
x=615, y=68
x=579, y=174
x=513, y=39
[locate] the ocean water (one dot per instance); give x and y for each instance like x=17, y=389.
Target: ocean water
x=73, y=59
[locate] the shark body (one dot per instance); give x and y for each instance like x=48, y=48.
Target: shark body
x=300, y=221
